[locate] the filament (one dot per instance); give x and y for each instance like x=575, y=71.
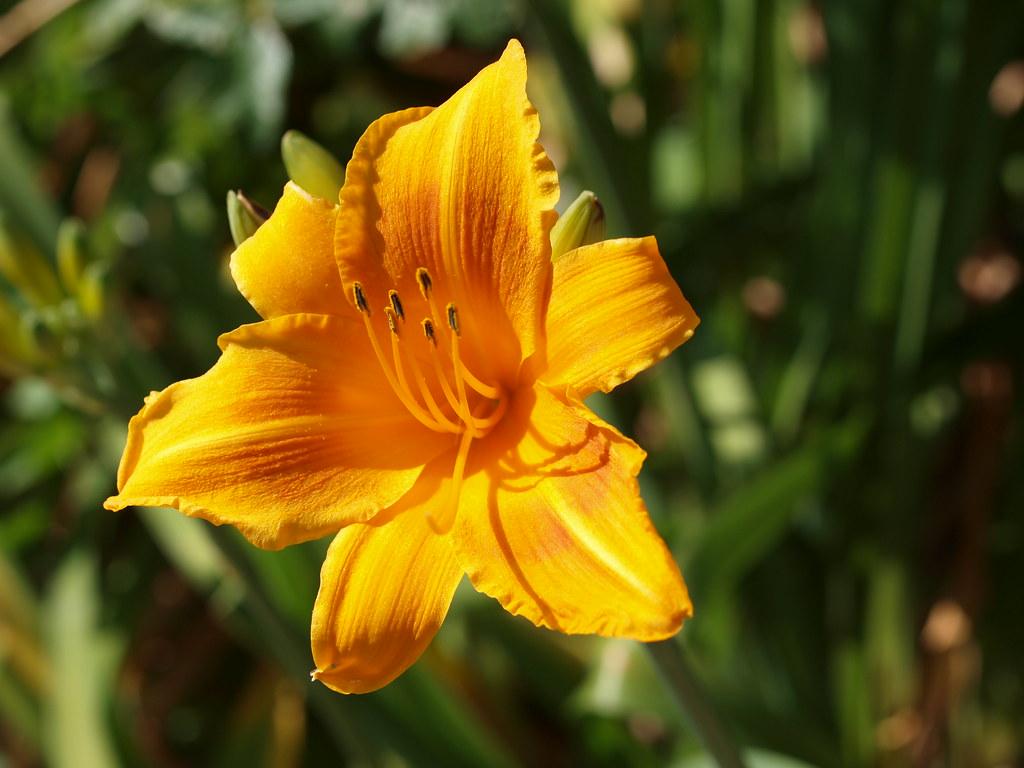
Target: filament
x=460, y=386
x=436, y=418
x=441, y=519
x=425, y=393
x=449, y=395
x=484, y=389
x=494, y=417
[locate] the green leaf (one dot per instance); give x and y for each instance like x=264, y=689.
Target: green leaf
x=78, y=733
x=751, y=521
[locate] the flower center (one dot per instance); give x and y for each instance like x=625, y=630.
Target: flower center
x=469, y=407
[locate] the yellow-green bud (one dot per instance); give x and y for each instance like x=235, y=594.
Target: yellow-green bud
x=582, y=224
x=16, y=348
x=72, y=256
x=92, y=290
x=311, y=166
x=244, y=216
x=27, y=270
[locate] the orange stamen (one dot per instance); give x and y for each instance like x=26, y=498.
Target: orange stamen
x=449, y=395
x=421, y=382
x=441, y=520
x=426, y=408
x=401, y=392
x=460, y=384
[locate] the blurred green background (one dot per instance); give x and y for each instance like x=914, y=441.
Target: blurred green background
x=836, y=458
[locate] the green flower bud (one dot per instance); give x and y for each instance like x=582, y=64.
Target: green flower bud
x=311, y=166
x=582, y=224
x=244, y=216
x=27, y=270
x=72, y=256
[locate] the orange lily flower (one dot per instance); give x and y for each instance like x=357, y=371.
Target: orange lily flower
x=415, y=388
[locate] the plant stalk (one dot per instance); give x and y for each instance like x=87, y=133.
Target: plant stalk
x=678, y=676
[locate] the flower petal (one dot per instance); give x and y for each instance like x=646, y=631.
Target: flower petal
x=615, y=311
x=384, y=590
x=570, y=546
x=291, y=435
x=467, y=193
x=288, y=266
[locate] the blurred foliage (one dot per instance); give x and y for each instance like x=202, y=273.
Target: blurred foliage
x=835, y=457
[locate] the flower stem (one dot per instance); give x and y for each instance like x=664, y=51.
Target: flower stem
x=677, y=675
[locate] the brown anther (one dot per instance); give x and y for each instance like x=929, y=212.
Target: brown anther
x=360, y=298
x=424, y=281
x=428, y=331
x=396, y=304
x=389, y=313
x=453, y=319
